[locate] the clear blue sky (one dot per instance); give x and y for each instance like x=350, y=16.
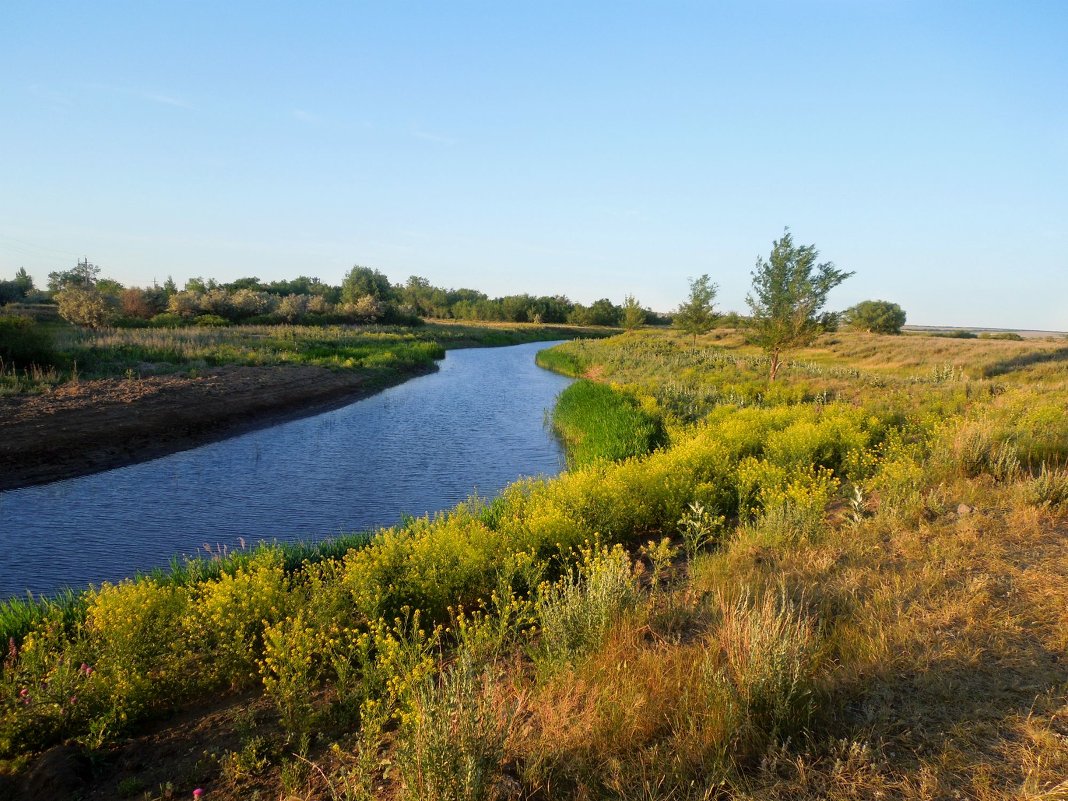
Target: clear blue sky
x=589, y=149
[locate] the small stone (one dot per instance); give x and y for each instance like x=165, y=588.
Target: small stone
x=964, y=510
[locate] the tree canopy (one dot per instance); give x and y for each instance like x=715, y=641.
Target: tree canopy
x=363, y=281
x=697, y=315
x=82, y=275
x=789, y=290
x=875, y=317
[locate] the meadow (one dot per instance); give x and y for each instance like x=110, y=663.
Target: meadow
x=848, y=583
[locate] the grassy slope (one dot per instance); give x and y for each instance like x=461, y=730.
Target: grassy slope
x=882, y=613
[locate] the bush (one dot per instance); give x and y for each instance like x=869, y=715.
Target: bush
x=210, y=321
x=23, y=343
x=875, y=317
x=452, y=743
x=167, y=320
x=86, y=307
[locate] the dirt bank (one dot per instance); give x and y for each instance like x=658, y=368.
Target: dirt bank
x=97, y=425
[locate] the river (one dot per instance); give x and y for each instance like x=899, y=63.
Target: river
x=474, y=426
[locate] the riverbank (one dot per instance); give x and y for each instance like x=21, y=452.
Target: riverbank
x=84, y=425
x=97, y=425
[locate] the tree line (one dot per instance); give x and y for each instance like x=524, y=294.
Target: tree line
x=365, y=295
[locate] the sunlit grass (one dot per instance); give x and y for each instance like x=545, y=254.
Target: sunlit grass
x=873, y=604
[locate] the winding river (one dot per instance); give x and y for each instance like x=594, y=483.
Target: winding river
x=474, y=426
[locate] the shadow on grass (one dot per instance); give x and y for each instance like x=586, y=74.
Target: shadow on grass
x=1025, y=360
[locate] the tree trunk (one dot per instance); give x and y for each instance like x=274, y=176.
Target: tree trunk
x=774, y=365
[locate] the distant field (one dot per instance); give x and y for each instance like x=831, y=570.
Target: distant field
x=1026, y=333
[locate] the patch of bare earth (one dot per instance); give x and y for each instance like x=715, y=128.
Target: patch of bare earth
x=88, y=426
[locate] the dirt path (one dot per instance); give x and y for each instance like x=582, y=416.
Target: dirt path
x=97, y=425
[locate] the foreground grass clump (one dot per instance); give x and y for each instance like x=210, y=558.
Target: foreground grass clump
x=598, y=423
x=852, y=584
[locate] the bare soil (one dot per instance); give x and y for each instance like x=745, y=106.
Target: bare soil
x=89, y=426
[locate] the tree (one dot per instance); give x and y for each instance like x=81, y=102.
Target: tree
x=789, y=290
x=604, y=312
x=633, y=314
x=361, y=281
x=875, y=317
x=10, y=292
x=24, y=281
x=82, y=275
x=109, y=286
x=697, y=316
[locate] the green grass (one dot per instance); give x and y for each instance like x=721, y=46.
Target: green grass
x=598, y=423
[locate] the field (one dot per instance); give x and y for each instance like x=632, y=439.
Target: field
x=849, y=583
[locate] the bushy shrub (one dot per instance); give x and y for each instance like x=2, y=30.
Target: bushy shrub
x=576, y=612
x=86, y=307
x=210, y=321
x=452, y=742
x=228, y=616
x=168, y=320
x=136, y=645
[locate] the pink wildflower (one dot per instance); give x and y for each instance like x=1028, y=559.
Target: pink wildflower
x=198, y=793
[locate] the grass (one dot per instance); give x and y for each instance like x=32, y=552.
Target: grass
x=849, y=584
x=598, y=423
x=85, y=354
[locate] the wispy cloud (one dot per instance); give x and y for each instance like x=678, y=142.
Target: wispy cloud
x=430, y=136
x=148, y=96
x=166, y=100
x=306, y=116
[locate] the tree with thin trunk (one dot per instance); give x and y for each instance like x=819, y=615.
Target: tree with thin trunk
x=789, y=289
x=697, y=316
x=633, y=314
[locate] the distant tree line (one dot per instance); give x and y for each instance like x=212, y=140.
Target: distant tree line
x=364, y=296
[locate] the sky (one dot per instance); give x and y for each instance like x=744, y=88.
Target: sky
x=581, y=148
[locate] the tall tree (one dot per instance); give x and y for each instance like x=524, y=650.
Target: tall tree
x=697, y=316
x=362, y=281
x=83, y=275
x=789, y=289
x=24, y=281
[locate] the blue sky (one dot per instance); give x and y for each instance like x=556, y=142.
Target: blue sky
x=588, y=149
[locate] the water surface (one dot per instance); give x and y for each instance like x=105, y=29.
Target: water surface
x=474, y=426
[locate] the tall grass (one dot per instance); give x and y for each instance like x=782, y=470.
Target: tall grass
x=599, y=423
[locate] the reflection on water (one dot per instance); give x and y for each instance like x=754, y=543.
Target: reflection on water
x=425, y=445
